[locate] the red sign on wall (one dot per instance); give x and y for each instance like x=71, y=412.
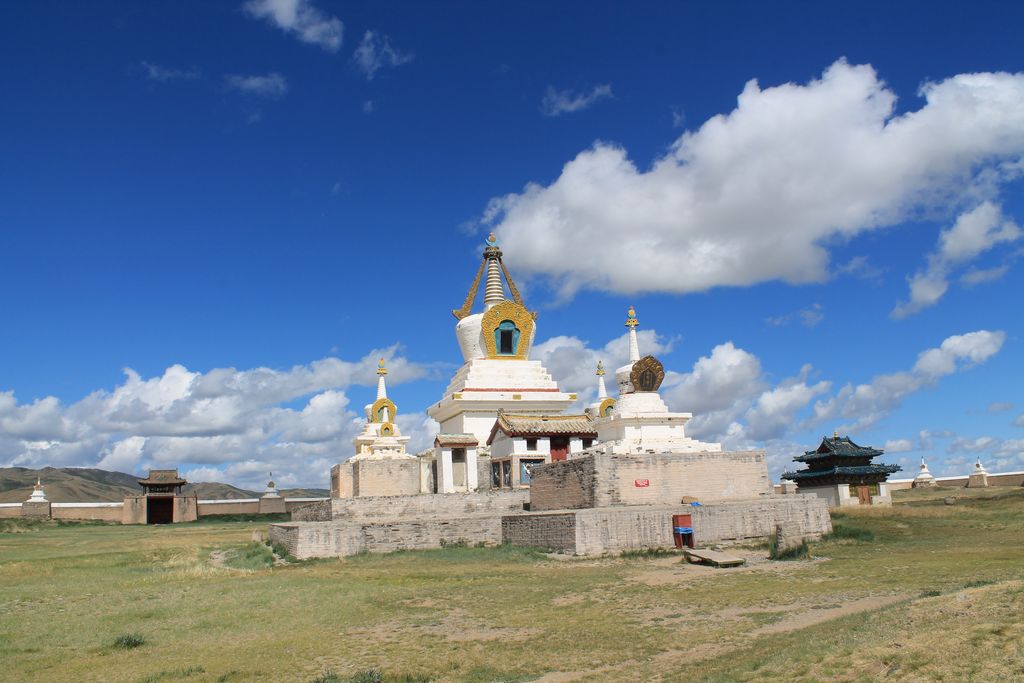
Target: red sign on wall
x=641, y=483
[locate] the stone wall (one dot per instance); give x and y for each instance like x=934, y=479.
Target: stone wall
x=386, y=477
x=548, y=530
x=596, y=531
x=104, y=512
x=341, y=538
x=36, y=510
x=603, y=480
x=564, y=485
x=807, y=515
x=10, y=510
x=313, y=512
x=427, y=506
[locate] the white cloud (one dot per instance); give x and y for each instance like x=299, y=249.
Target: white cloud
x=1019, y=421
x=163, y=74
x=216, y=420
x=998, y=455
x=973, y=233
x=898, y=446
x=999, y=407
x=301, y=19
x=271, y=85
x=866, y=404
x=375, y=52
x=809, y=317
x=761, y=193
x=558, y=102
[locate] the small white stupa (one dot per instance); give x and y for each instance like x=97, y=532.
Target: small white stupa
x=271, y=490
x=640, y=421
x=924, y=478
x=38, y=495
x=979, y=477
x=602, y=405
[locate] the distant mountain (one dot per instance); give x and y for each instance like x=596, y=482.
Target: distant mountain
x=82, y=485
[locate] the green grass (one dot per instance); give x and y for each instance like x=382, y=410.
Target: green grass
x=129, y=641
x=797, y=552
x=951, y=578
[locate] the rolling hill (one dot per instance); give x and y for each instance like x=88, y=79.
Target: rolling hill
x=84, y=485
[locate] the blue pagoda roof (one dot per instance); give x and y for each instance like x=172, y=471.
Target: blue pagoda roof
x=838, y=447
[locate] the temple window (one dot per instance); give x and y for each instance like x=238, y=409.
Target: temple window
x=506, y=338
x=531, y=444
x=587, y=443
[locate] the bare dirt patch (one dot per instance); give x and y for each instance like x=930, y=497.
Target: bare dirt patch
x=817, y=616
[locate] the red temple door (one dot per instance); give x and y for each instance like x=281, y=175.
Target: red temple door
x=864, y=495
x=559, y=448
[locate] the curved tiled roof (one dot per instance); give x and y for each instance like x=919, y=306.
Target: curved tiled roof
x=514, y=424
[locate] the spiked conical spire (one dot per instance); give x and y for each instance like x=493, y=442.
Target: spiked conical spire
x=634, y=346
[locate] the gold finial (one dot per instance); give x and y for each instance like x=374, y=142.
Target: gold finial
x=381, y=370
x=835, y=433
x=631, y=321
x=600, y=369
x=492, y=238
x=39, y=482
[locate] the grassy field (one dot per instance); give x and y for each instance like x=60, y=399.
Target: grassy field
x=922, y=591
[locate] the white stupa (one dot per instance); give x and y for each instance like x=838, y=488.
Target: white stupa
x=979, y=477
x=271, y=490
x=924, y=478
x=496, y=374
x=38, y=495
x=640, y=422
x=381, y=438
x=602, y=405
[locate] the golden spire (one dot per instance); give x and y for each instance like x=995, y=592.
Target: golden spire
x=600, y=369
x=835, y=433
x=631, y=321
x=381, y=370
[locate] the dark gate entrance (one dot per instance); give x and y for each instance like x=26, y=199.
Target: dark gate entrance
x=159, y=510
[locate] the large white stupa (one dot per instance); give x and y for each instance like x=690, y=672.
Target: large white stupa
x=496, y=374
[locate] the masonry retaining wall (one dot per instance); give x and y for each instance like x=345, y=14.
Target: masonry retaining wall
x=427, y=505
x=597, y=531
x=341, y=538
x=603, y=480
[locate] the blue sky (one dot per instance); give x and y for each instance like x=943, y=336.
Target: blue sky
x=215, y=216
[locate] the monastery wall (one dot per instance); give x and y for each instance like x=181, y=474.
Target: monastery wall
x=319, y=511
x=602, y=480
x=106, y=512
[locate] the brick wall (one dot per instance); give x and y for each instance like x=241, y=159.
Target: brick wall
x=564, y=485
x=111, y=513
x=550, y=531
x=313, y=512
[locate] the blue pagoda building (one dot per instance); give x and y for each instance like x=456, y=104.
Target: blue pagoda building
x=843, y=473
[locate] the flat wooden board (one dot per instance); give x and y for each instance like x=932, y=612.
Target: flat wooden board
x=713, y=557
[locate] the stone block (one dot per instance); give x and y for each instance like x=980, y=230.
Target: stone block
x=36, y=510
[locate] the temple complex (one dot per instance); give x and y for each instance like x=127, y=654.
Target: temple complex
x=611, y=478
x=842, y=473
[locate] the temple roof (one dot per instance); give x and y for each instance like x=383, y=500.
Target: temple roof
x=163, y=478
x=838, y=447
x=457, y=440
x=543, y=425
x=856, y=470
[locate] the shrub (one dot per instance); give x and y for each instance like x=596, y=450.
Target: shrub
x=128, y=641
x=645, y=553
